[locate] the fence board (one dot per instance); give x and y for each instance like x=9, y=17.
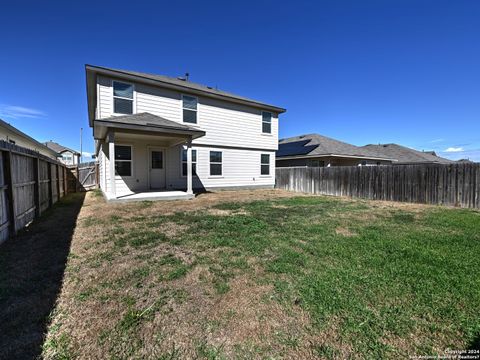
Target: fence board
x=452, y=184
x=54, y=183
x=44, y=186
x=25, y=186
x=23, y=179
x=4, y=223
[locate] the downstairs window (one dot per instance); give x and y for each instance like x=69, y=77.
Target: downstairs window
x=123, y=160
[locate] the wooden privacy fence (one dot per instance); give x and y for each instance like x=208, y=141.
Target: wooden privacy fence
x=83, y=177
x=454, y=185
x=29, y=184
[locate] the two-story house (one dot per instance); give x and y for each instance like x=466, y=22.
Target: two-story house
x=163, y=137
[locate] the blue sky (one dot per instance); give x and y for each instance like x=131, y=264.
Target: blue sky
x=404, y=71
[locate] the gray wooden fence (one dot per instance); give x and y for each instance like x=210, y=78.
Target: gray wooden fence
x=29, y=184
x=454, y=185
x=83, y=177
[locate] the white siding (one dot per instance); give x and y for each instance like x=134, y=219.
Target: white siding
x=235, y=130
x=225, y=124
x=7, y=135
x=240, y=168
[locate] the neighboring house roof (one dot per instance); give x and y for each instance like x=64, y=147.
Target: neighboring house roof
x=168, y=82
x=406, y=155
x=21, y=134
x=59, y=148
x=315, y=145
x=145, y=121
x=464, y=161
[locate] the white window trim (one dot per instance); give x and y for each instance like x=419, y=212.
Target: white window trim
x=197, y=110
x=134, y=98
x=193, y=162
x=210, y=163
x=131, y=161
x=271, y=123
x=269, y=165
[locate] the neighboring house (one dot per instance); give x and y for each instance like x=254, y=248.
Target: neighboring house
x=12, y=135
x=155, y=132
x=315, y=150
x=405, y=155
x=67, y=156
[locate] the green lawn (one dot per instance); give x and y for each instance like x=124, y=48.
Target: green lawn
x=295, y=277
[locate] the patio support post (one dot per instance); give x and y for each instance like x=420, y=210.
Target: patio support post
x=189, y=167
x=111, y=156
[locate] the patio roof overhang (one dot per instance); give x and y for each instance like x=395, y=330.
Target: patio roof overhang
x=144, y=123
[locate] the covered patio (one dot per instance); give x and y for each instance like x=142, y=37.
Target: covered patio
x=150, y=157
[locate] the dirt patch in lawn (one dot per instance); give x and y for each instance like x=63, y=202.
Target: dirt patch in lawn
x=345, y=232
x=222, y=212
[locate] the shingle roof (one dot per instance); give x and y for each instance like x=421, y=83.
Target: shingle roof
x=147, y=119
x=59, y=148
x=319, y=145
x=405, y=155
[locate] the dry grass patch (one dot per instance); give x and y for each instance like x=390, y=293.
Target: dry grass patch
x=345, y=232
x=262, y=274
x=226, y=212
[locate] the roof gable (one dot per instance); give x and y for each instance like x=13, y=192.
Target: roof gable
x=59, y=148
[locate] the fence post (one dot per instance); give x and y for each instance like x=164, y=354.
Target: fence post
x=63, y=185
x=65, y=178
x=58, y=182
x=77, y=179
x=10, y=191
x=50, y=195
x=36, y=186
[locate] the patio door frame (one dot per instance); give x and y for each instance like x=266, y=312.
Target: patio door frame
x=149, y=165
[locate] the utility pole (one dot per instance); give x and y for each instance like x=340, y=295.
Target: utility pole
x=81, y=150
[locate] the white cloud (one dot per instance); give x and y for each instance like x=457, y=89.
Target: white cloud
x=454, y=149
x=87, y=155
x=471, y=154
x=15, y=112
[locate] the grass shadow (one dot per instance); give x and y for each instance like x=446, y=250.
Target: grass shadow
x=475, y=344
x=32, y=267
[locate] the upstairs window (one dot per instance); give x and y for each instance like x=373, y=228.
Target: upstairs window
x=122, y=98
x=265, y=164
x=215, y=163
x=266, y=122
x=189, y=105
x=123, y=160
x=184, y=162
